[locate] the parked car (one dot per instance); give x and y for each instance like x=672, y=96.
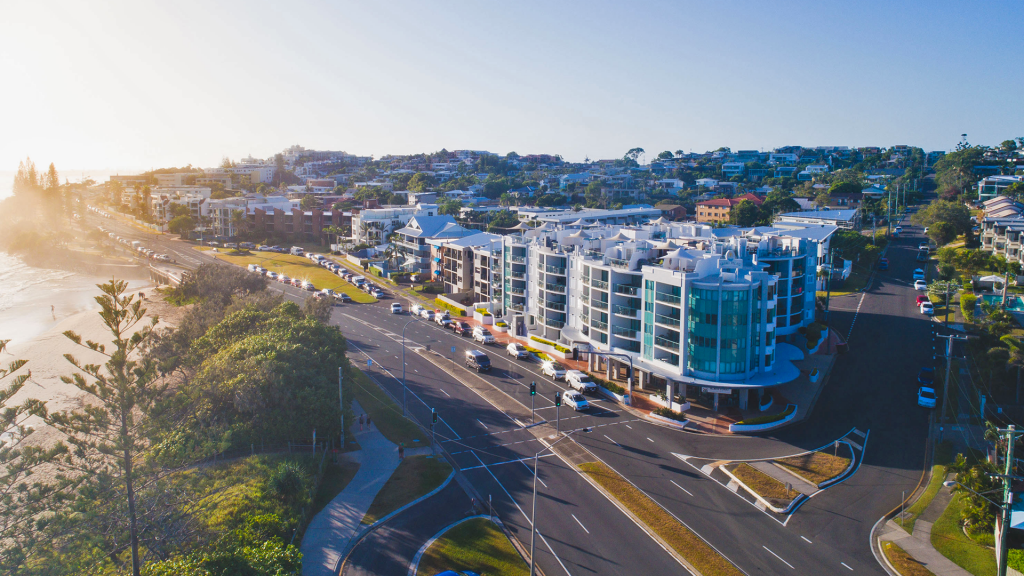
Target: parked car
x=926, y=376
x=575, y=399
x=921, y=299
x=927, y=308
x=427, y=314
x=517, y=350
x=477, y=360
x=396, y=308
x=297, y=251
x=343, y=297
x=286, y=280
x=482, y=335
x=883, y=263
x=273, y=276
x=441, y=320
x=416, y=309
x=580, y=381
x=461, y=328
x=920, y=285
x=553, y=369
x=926, y=397
x=923, y=246
x=918, y=274
x=327, y=292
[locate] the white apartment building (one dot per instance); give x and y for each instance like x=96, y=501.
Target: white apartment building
x=373, y=226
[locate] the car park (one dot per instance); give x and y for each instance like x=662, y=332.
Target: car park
x=927, y=308
x=926, y=397
x=477, y=360
x=461, y=328
x=517, y=350
x=396, y=308
x=575, y=399
x=918, y=274
x=553, y=369
x=920, y=285
x=926, y=376
x=482, y=335
x=580, y=381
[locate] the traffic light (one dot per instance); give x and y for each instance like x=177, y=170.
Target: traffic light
x=433, y=416
x=575, y=353
x=533, y=388
x=558, y=399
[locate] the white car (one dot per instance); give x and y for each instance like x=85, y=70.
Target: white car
x=923, y=246
x=926, y=397
x=416, y=310
x=580, y=381
x=927, y=308
x=442, y=320
x=328, y=292
x=920, y=285
x=517, y=350
x=918, y=274
x=426, y=314
x=483, y=335
x=553, y=369
x=396, y=308
x=575, y=399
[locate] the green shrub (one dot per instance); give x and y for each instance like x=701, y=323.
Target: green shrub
x=287, y=480
x=813, y=334
x=501, y=324
x=450, y=307
x=766, y=419
x=677, y=416
x=609, y=386
x=542, y=341
x=967, y=303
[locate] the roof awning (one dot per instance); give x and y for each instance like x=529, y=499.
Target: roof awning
x=437, y=272
x=437, y=259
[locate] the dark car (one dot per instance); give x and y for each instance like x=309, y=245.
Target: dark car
x=883, y=263
x=461, y=328
x=926, y=376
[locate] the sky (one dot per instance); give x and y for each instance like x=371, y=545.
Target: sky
x=139, y=84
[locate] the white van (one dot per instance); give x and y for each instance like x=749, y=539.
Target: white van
x=296, y=251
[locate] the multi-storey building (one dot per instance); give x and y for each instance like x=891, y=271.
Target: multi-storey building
x=1003, y=236
x=373, y=226
x=698, y=311
x=416, y=238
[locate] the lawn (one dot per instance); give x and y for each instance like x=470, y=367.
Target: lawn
x=336, y=477
x=415, y=477
x=949, y=539
x=915, y=510
x=476, y=545
x=817, y=466
x=698, y=553
x=299, y=267
x=903, y=562
x=385, y=414
x=763, y=484
x=855, y=283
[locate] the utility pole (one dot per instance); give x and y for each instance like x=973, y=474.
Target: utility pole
x=341, y=404
x=949, y=363
x=828, y=283
x=1004, y=524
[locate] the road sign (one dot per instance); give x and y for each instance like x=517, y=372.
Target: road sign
x=369, y=362
x=453, y=349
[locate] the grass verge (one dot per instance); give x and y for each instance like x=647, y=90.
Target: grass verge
x=918, y=507
x=855, y=283
x=299, y=267
x=414, y=477
x=697, y=552
x=763, y=484
x=384, y=413
x=903, y=562
x=949, y=539
x=816, y=466
x=476, y=545
x=336, y=477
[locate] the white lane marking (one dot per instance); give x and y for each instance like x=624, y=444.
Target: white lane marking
x=847, y=567
x=649, y=438
x=681, y=488
x=482, y=465
x=502, y=486
x=779, y=557
x=855, y=314
x=806, y=540
x=445, y=393
x=580, y=523
x=612, y=441
x=545, y=540
x=531, y=469
x=855, y=445
x=628, y=426
x=482, y=424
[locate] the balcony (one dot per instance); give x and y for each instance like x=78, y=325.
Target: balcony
x=555, y=306
x=627, y=289
x=560, y=288
x=666, y=342
x=597, y=324
x=599, y=304
x=584, y=318
x=554, y=323
x=519, y=259
x=519, y=275
x=667, y=320
x=518, y=291
x=599, y=284
x=517, y=307
x=624, y=332
x=594, y=254
x=555, y=270
x=667, y=298
x=618, y=263
x=627, y=311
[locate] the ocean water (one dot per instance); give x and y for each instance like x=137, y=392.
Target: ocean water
x=27, y=294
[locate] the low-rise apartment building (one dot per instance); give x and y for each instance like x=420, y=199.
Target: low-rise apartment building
x=1002, y=236
x=718, y=210
x=415, y=241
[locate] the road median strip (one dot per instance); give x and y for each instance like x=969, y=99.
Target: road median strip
x=697, y=554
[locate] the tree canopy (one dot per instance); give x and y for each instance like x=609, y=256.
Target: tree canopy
x=954, y=213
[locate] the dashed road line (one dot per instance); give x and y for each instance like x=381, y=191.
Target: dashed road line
x=806, y=540
x=612, y=441
x=847, y=567
x=779, y=557
x=855, y=314
x=482, y=424
x=445, y=393
x=681, y=488
x=580, y=523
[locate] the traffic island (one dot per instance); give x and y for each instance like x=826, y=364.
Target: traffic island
x=700, y=555
x=819, y=468
x=772, y=493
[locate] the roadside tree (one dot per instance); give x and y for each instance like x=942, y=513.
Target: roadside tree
x=181, y=225
x=954, y=213
x=942, y=233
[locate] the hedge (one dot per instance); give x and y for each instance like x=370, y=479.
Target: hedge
x=450, y=307
x=609, y=386
x=766, y=419
x=967, y=303
x=558, y=347
x=670, y=414
x=501, y=324
x=483, y=312
x=544, y=357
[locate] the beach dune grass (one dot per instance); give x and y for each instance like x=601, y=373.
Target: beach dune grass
x=476, y=545
x=691, y=547
x=416, y=476
x=298, y=267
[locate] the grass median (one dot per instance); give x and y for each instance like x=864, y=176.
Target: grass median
x=299, y=267
x=903, y=562
x=764, y=485
x=416, y=476
x=816, y=467
x=476, y=545
x=385, y=414
x=691, y=547
x=949, y=539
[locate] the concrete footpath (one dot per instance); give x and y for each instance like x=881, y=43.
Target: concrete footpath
x=919, y=544
x=331, y=531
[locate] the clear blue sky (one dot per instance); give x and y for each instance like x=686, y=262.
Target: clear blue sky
x=148, y=84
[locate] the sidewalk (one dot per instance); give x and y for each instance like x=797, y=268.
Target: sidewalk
x=919, y=544
x=331, y=531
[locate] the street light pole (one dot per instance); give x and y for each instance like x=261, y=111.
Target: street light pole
x=533, y=512
x=403, y=363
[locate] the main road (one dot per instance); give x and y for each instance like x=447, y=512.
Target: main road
x=871, y=389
